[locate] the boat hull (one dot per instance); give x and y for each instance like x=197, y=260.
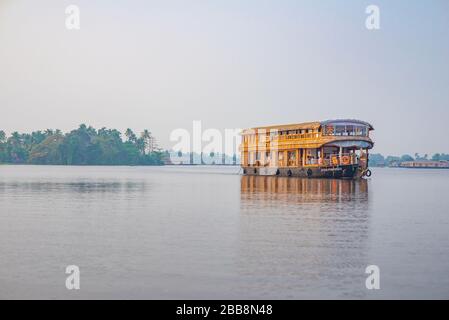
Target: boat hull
x=337, y=172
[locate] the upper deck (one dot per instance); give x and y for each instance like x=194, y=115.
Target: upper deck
x=341, y=132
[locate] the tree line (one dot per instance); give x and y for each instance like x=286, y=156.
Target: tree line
x=377, y=159
x=83, y=146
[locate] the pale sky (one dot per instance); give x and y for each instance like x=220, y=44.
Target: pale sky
x=231, y=64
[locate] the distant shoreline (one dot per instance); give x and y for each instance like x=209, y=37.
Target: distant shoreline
x=82, y=146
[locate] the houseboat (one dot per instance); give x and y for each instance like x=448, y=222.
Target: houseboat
x=326, y=149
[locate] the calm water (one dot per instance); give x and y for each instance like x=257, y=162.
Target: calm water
x=206, y=232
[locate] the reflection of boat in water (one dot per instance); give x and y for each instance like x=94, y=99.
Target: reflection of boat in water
x=327, y=190
x=328, y=149
x=295, y=232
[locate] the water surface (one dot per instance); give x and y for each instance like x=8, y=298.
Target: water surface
x=207, y=232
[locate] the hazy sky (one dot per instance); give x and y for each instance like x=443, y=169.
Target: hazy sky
x=232, y=64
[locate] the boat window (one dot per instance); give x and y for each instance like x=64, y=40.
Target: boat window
x=329, y=130
x=345, y=130
x=364, y=131
x=349, y=130
x=251, y=158
x=340, y=130
x=291, y=156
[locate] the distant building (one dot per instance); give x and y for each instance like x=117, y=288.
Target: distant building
x=166, y=159
x=424, y=164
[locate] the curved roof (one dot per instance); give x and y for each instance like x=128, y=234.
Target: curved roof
x=344, y=121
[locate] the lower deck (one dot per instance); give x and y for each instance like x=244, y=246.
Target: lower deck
x=338, y=165
x=341, y=171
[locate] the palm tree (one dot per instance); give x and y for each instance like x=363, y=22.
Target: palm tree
x=15, y=138
x=37, y=137
x=147, y=139
x=130, y=135
x=140, y=144
x=2, y=136
x=16, y=147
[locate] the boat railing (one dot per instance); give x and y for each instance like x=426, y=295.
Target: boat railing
x=340, y=159
x=328, y=161
x=309, y=135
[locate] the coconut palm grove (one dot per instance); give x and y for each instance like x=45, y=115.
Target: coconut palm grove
x=83, y=146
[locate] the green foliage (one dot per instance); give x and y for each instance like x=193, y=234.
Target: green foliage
x=378, y=160
x=440, y=156
x=48, y=151
x=391, y=160
x=406, y=157
x=83, y=146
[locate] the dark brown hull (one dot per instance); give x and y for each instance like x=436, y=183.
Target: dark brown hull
x=338, y=172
